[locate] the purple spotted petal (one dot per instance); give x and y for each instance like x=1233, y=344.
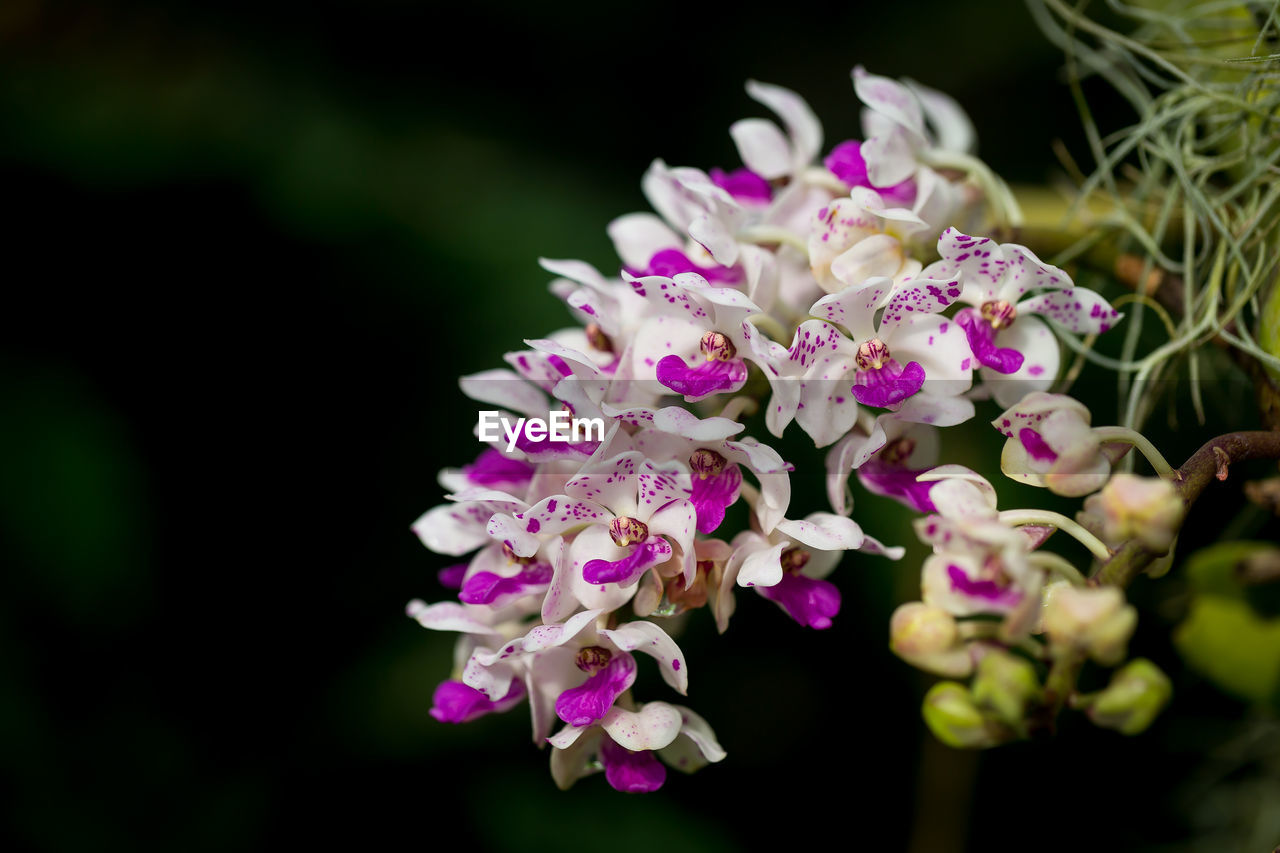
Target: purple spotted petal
x=495, y=590
x=631, y=772
x=982, y=340
x=672, y=262
x=897, y=482
x=455, y=702
x=713, y=495
x=644, y=555
x=492, y=469
x=710, y=377
x=807, y=600
x=744, y=185
x=1036, y=445
x=888, y=385
x=986, y=590
x=590, y=701
x=451, y=576
x=1077, y=308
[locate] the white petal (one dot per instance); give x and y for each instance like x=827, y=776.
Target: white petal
x=540, y=637
x=568, y=736
x=678, y=521
x=762, y=147
x=453, y=529
x=677, y=421
x=574, y=760
x=637, y=237
x=714, y=235
x=507, y=389
x=696, y=745
x=579, y=271
x=956, y=498
x=939, y=346
x=891, y=99
x=559, y=601
x=654, y=726
x=877, y=255
x=854, y=307
x=610, y=483
x=890, y=158
x=953, y=130
x=824, y=531
x=550, y=673
x=1016, y=464
x=773, y=475
x=449, y=616
x=802, y=124
x=648, y=638
x=1078, y=309
x=827, y=409
x=1041, y=354
x=925, y=408
x=762, y=567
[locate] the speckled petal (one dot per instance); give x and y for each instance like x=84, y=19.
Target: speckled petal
x=650, y=639
x=654, y=726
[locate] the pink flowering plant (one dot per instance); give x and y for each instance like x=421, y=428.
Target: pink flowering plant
x=871, y=295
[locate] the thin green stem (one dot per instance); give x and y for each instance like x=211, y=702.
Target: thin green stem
x=1141, y=444
x=1058, y=564
x=1021, y=517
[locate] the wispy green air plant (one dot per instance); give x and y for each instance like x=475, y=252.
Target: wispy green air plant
x=1190, y=190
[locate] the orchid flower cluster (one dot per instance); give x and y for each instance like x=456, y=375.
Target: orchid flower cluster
x=841, y=291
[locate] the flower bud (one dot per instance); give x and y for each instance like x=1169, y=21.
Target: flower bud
x=1050, y=444
x=1096, y=621
x=1006, y=685
x=1148, y=509
x=1137, y=693
x=951, y=714
x=927, y=637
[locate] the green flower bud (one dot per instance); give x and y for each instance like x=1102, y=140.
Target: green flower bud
x=1137, y=693
x=1006, y=685
x=1095, y=621
x=953, y=717
x=927, y=637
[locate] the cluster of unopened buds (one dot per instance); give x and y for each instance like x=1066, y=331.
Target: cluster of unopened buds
x=842, y=293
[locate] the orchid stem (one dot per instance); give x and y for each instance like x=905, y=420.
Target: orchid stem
x=1058, y=564
x=1143, y=446
x=1020, y=517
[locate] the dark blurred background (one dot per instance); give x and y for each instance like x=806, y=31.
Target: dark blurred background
x=251, y=246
